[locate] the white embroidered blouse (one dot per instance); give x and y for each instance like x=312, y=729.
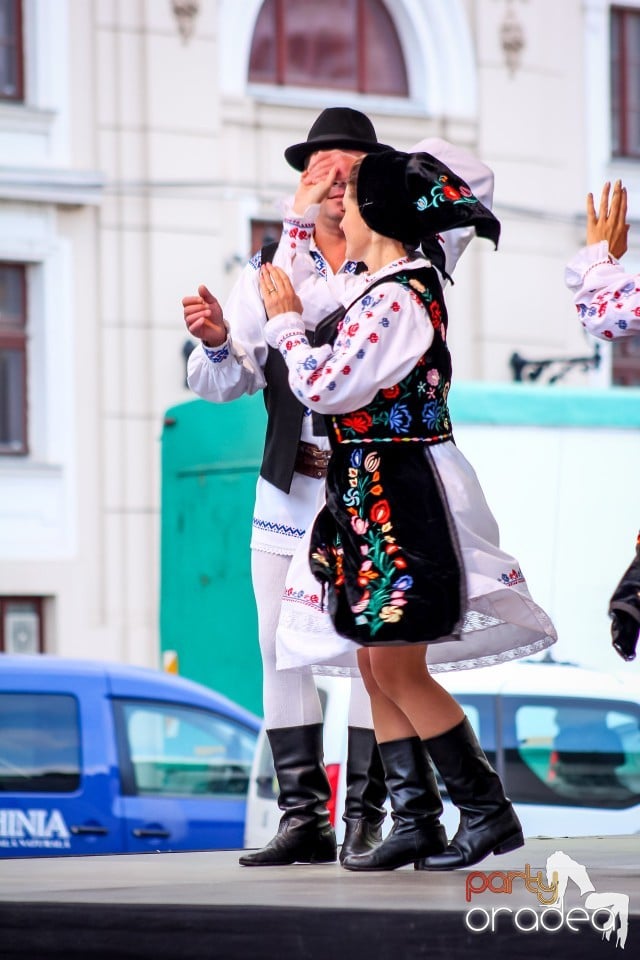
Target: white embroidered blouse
x=607, y=298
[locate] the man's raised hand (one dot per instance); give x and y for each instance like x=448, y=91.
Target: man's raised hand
x=203, y=317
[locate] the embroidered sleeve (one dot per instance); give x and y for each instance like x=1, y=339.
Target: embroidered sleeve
x=378, y=343
x=607, y=298
x=236, y=367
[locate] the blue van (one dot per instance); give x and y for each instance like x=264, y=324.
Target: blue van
x=102, y=758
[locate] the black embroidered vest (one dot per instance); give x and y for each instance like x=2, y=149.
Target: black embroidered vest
x=415, y=409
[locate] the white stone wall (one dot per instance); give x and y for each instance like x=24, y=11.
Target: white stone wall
x=157, y=154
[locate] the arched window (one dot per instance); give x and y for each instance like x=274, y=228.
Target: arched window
x=341, y=44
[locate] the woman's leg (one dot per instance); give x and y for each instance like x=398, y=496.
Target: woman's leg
x=401, y=674
x=415, y=800
x=488, y=823
x=388, y=719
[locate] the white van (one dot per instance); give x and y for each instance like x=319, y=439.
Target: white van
x=565, y=740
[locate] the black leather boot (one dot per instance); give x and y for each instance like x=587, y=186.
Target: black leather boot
x=364, y=811
x=415, y=806
x=488, y=823
x=304, y=834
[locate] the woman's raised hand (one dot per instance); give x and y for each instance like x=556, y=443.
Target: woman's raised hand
x=609, y=223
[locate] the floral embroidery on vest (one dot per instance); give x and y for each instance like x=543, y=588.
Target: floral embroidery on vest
x=415, y=409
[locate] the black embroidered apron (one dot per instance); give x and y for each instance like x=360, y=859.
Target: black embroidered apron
x=384, y=546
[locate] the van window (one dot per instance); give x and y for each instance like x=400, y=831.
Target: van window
x=181, y=751
x=39, y=743
x=568, y=751
x=480, y=712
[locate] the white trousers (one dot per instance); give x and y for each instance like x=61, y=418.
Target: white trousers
x=290, y=697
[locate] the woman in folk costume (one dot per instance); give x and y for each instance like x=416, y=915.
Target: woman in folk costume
x=405, y=548
x=607, y=300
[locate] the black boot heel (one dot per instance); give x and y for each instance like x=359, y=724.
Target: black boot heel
x=325, y=849
x=513, y=843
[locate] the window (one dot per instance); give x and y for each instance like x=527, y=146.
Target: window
x=11, y=56
x=341, y=44
x=13, y=359
x=21, y=626
x=181, y=751
x=584, y=753
x=625, y=82
x=264, y=232
x=39, y=743
x=625, y=362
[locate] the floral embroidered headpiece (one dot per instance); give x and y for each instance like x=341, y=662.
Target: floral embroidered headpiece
x=413, y=196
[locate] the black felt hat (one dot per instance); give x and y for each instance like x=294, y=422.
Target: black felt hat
x=413, y=196
x=336, y=127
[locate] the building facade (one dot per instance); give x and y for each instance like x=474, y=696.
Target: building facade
x=141, y=153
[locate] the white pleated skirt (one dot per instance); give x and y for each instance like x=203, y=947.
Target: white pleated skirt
x=501, y=621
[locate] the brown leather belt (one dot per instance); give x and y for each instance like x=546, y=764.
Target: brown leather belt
x=311, y=460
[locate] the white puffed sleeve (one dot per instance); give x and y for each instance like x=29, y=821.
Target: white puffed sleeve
x=607, y=298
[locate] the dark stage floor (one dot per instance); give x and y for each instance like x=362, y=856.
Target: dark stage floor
x=203, y=905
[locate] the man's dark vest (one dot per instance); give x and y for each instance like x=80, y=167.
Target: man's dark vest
x=284, y=410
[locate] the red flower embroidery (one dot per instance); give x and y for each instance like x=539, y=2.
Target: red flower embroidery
x=353, y=329
x=303, y=234
x=346, y=370
x=436, y=313
x=315, y=399
x=608, y=334
x=359, y=421
x=451, y=193
x=380, y=512
x=373, y=337
x=293, y=232
x=391, y=392
x=395, y=306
